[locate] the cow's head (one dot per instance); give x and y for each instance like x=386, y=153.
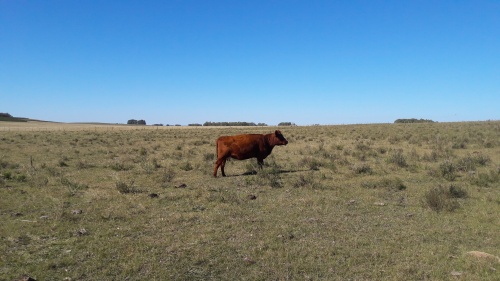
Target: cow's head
x=279, y=138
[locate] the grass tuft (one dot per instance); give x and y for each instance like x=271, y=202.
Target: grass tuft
x=126, y=188
x=397, y=157
x=441, y=198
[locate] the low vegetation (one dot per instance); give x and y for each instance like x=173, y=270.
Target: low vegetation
x=354, y=202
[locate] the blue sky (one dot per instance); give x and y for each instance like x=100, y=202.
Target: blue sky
x=307, y=62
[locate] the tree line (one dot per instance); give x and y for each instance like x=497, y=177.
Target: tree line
x=233, y=124
x=8, y=117
x=413, y=120
x=136, y=122
x=208, y=123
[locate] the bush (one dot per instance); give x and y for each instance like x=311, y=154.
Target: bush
x=436, y=198
x=471, y=161
x=186, y=167
x=457, y=192
x=126, y=188
x=485, y=179
x=362, y=169
x=441, y=198
x=447, y=170
x=307, y=180
x=271, y=175
x=167, y=177
x=7, y=175
x=209, y=156
x=73, y=187
x=118, y=166
x=398, y=158
x=394, y=184
x=312, y=163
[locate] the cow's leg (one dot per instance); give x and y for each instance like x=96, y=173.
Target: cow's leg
x=260, y=162
x=218, y=164
x=222, y=167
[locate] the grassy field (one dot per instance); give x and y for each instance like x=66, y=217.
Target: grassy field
x=354, y=202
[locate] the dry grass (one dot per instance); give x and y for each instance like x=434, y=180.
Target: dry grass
x=339, y=202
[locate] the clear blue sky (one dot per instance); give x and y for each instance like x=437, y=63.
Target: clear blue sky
x=307, y=62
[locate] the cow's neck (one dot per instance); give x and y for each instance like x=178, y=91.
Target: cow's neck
x=269, y=145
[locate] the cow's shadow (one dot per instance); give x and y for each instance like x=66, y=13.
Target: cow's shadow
x=254, y=172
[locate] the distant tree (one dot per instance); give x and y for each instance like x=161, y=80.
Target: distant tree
x=158, y=125
x=229, y=124
x=413, y=120
x=10, y=118
x=136, y=122
x=286, y=124
x=195, y=125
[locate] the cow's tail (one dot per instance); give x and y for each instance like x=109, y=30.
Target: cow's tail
x=216, y=150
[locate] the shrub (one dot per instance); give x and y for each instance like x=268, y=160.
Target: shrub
x=251, y=168
x=363, y=145
x=481, y=159
x=457, y=192
x=312, y=163
x=21, y=178
x=447, y=170
x=7, y=175
x=485, y=179
x=37, y=179
x=441, y=198
x=271, y=175
x=80, y=165
x=302, y=181
x=126, y=188
x=395, y=184
x=167, y=177
x=466, y=164
x=118, y=166
x=73, y=186
x=470, y=162
x=436, y=199
x=362, y=169
x=209, y=156
x=186, y=166
x=307, y=180
x=398, y=158
x=382, y=150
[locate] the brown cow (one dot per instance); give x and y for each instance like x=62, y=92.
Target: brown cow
x=246, y=146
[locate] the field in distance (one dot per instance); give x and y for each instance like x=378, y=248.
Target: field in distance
x=359, y=202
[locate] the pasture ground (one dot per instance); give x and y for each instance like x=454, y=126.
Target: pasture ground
x=352, y=202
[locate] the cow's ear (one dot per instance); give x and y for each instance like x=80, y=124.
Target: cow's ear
x=277, y=132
